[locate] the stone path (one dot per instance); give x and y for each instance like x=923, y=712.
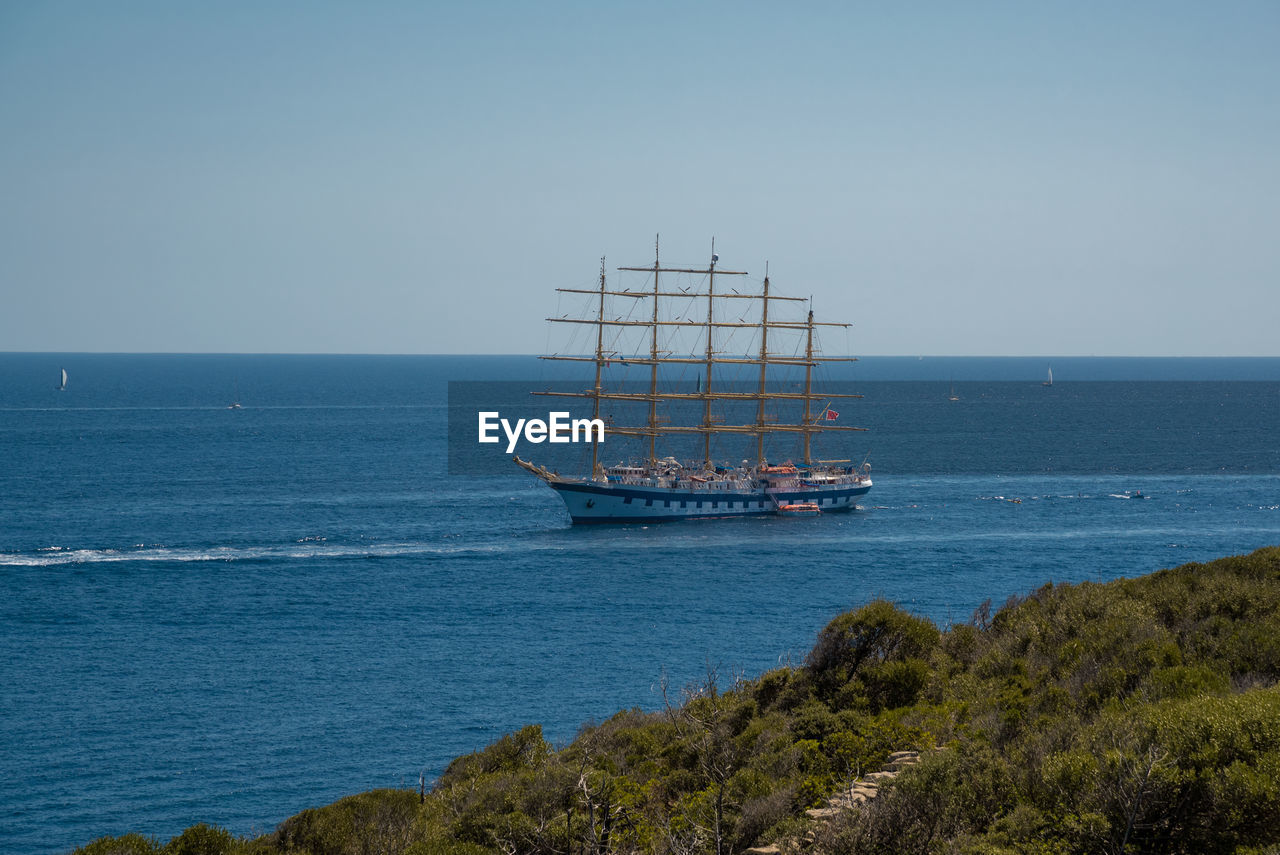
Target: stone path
x=865, y=788
x=859, y=792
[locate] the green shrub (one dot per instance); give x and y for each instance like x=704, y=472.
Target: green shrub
x=378, y=819
x=203, y=840
x=127, y=844
x=513, y=751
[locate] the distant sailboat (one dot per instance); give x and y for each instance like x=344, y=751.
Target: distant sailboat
x=1049, y=381
x=63, y=386
x=235, y=405
x=953, y=396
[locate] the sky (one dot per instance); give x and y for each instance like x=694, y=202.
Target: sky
x=982, y=178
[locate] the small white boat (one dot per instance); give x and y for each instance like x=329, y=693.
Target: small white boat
x=62, y=387
x=1049, y=380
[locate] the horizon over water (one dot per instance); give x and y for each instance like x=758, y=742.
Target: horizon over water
x=230, y=615
x=866, y=367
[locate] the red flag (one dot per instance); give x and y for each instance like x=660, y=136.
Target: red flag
x=831, y=415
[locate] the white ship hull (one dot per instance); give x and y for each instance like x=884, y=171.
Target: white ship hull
x=594, y=502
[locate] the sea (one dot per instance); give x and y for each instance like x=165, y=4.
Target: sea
x=230, y=614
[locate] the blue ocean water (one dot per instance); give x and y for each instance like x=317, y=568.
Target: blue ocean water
x=229, y=615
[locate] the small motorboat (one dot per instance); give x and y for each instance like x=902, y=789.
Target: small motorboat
x=800, y=509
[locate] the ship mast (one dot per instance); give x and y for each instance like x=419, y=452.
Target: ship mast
x=595, y=410
x=764, y=368
x=808, y=384
x=706, y=402
x=653, y=354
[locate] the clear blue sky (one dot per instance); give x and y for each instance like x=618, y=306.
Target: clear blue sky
x=1015, y=178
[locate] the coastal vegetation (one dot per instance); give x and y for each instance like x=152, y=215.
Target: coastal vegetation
x=1137, y=715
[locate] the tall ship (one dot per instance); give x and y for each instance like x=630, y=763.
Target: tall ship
x=648, y=345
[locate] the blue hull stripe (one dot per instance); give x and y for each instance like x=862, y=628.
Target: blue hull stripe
x=595, y=503
x=666, y=494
